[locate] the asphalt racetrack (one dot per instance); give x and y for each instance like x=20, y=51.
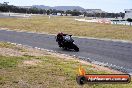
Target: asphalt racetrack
x=117, y=55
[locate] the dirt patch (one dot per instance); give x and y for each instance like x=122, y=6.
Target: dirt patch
x=21, y=51
x=10, y=52
x=33, y=62
x=35, y=52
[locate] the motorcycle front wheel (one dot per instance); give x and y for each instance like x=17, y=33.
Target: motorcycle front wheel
x=75, y=48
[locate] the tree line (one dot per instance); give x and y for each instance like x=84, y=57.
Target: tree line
x=10, y=8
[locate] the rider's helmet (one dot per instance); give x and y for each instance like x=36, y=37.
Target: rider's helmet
x=60, y=36
x=60, y=33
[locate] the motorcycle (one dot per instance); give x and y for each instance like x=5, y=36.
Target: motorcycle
x=67, y=43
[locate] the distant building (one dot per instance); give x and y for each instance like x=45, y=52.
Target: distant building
x=69, y=14
x=128, y=13
x=58, y=14
x=81, y=15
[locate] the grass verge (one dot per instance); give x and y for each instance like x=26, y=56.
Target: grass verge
x=50, y=72
x=47, y=71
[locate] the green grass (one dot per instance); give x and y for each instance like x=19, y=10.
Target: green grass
x=68, y=25
x=52, y=72
x=6, y=62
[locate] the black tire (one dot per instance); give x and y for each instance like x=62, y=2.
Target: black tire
x=81, y=80
x=75, y=48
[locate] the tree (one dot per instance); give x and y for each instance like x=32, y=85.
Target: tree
x=4, y=7
x=84, y=13
x=102, y=15
x=60, y=11
x=5, y=3
x=129, y=20
x=122, y=15
x=48, y=12
x=76, y=13
x=68, y=12
x=54, y=12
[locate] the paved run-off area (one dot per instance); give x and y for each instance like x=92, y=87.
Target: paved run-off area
x=116, y=55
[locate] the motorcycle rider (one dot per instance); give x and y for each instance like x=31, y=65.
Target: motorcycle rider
x=60, y=38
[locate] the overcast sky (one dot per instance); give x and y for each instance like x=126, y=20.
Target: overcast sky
x=105, y=5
